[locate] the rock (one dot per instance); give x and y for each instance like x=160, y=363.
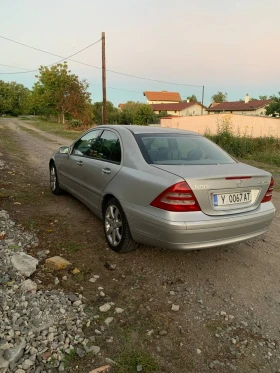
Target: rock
x=162, y=332
x=29, y=286
x=104, y=369
x=20, y=371
x=12, y=355
x=27, y=364
x=110, y=361
x=223, y=313
x=139, y=368
x=75, y=271
x=57, y=263
x=175, y=307
x=73, y=298
x=24, y=264
x=110, y=266
x=61, y=367
x=108, y=320
x=92, y=279
x=105, y=307
x=2, y=235
x=198, y=351
x=56, y=281
x=80, y=352
x=119, y=310
x=95, y=349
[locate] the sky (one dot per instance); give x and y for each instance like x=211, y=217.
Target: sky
x=228, y=46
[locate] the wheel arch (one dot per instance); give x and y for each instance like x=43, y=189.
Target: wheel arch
x=105, y=199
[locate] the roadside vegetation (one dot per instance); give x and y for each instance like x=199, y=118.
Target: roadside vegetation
x=244, y=146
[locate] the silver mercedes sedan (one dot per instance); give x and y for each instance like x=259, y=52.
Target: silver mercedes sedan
x=163, y=187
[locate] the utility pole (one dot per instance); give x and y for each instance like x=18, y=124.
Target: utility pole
x=202, y=100
x=104, y=106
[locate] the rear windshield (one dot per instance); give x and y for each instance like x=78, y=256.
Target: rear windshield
x=180, y=149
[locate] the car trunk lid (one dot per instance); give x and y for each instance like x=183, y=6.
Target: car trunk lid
x=223, y=189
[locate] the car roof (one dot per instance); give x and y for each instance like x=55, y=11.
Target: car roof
x=148, y=129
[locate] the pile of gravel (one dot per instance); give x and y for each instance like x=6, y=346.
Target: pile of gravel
x=37, y=328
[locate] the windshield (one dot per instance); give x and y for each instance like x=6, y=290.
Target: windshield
x=180, y=149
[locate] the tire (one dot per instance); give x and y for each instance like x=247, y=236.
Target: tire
x=54, y=184
x=116, y=228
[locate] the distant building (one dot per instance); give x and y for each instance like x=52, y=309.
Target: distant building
x=180, y=109
x=163, y=97
x=247, y=107
x=121, y=106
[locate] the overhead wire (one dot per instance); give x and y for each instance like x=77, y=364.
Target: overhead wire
x=63, y=58
x=86, y=64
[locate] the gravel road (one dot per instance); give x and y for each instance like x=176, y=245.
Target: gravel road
x=216, y=309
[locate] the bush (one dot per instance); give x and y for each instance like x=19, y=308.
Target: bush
x=261, y=149
x=74, y=124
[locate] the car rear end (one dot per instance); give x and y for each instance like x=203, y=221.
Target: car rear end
x=212, y=200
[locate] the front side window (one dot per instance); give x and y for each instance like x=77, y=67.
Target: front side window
x=180, y=149
x=86, y=144
x=108, y=147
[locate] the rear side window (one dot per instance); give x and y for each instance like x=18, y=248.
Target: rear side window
x=181, y=149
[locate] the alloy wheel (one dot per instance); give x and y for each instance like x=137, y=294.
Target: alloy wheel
x=113, y=225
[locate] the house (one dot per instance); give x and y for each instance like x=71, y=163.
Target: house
x=180, y=109
x=247, y=107
x=163, y=97
x=121, y=106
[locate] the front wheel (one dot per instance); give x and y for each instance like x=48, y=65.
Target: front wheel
x=116, y=228
x=54, y=184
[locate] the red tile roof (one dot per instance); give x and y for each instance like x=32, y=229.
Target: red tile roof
x=122, y=106
x=239, y=105
x=176, y=106
x=163, y=96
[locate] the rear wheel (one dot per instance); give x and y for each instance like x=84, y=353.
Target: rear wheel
x=116, y=228
x=54, y=184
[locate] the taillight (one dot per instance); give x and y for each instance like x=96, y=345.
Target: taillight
x=268, y=194
x=179, y=198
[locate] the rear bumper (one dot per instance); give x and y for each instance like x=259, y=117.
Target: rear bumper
x=202, y=233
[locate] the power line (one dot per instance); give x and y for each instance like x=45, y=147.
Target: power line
x=95, y=67
x=63, y=58
x=14, y=67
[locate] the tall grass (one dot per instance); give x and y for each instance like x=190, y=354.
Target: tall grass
x=261, y=149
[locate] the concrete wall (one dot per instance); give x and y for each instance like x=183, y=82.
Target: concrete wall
x=254, y=126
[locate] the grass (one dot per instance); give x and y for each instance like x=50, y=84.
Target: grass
x=70, y=247
x=128, y=361
x=8, y=143
x=261, y=149
x=55, y=128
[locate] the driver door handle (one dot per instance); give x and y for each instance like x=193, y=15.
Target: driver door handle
x=79, y=163
x=106, y=171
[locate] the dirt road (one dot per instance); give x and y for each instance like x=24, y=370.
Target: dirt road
x=228, y=297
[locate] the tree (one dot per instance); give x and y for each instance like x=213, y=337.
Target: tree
x=191, y=98
x=58, y=92
x=13, y=98
x=263, y=97
x=137, y=113
x=112, y=112
x=273, y=108
x=219, y=97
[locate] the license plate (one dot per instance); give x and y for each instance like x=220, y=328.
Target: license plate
x=232, y=198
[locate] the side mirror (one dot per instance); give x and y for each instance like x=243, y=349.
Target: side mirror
x=64, y=150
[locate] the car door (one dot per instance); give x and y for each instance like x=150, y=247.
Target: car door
x=101, y=166
x=71, y=172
